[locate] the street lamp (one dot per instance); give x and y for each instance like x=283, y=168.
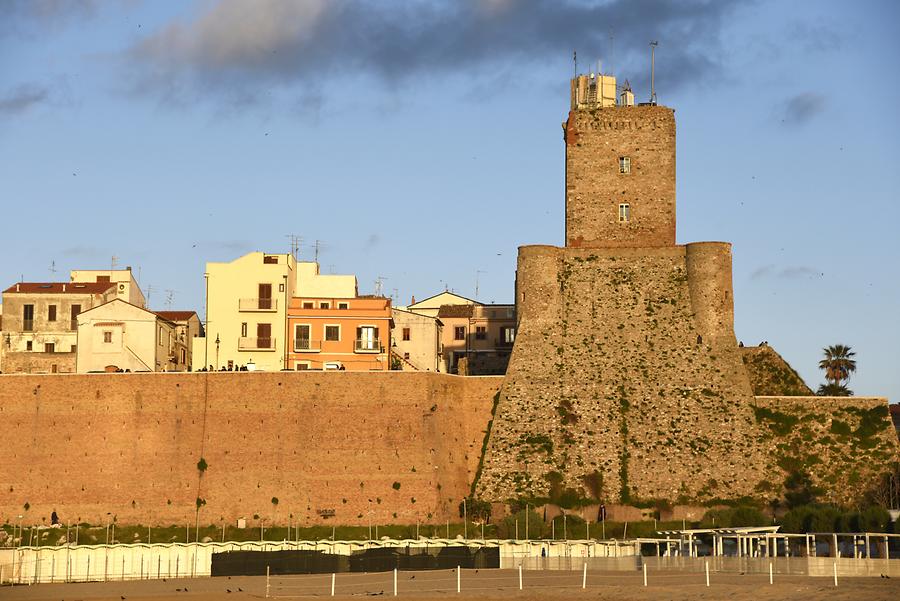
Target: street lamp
x=217, y=350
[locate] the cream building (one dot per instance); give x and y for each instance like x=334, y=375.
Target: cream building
x=416, y=341
x=119, y=336
x=246, y=302
x=127, y=287
x=432, y=305
x=187, y=327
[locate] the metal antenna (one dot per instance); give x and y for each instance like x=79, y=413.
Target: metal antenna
x=318, y=245
x=379, y=285
x=653, y=46
x=149, y=292
x=114, y=262
x=170, y=298
x=295, y=245
x=478, y=272
x=52, y=267
x=575, y=61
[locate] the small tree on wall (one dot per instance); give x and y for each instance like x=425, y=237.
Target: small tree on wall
x=274, y=508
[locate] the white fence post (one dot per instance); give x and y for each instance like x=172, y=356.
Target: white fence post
x=770, y=573
x=835, y=573
x=332, y=584
x=584, y=577
x=458, y=579
x=520, y=576
x=267, y=582
x=645, y=574
x=706, y=563
x=395, y=582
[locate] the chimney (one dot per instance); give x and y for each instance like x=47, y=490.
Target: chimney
x=413, y=301
x=17, y=287
x=64, y=287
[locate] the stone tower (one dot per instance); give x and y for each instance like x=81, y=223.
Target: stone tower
x=625, y=382
x=620, y=169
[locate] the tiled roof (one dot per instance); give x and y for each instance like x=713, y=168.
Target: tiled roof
x=176, y=315
x=60, y=287
x=455, y=311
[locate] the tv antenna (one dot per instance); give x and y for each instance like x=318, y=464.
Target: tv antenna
x=318, y=246
x=295, y=244
x=170, y=298
x=653, y=46
x=149, y=292
x=478, y=273
x=113, y=263
x=379, y=285
x=52, y=268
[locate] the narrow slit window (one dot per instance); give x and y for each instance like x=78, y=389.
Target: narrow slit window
x=624, y=212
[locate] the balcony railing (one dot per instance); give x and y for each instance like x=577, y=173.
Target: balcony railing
x=304, y=345
x=368, y=346
x=256, y=344
x=27, y=325
x=257, y=304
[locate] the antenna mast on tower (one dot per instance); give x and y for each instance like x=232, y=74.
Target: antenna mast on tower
x=653, y=46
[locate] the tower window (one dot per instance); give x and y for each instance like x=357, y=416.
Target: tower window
x=624, y=212
x=625, y=165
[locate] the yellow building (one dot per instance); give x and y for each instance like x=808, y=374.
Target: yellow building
x=246, y=302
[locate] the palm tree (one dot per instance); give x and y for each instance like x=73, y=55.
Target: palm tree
x=838, y=363
x=834, y=389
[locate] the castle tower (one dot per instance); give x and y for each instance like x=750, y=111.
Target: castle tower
x=620, y=168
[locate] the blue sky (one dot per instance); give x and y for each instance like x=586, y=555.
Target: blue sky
x=421, y=142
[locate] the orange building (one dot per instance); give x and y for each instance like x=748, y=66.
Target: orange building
x=331, y=327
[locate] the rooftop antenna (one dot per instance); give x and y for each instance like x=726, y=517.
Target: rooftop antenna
x=575, y=61
x=52, y=267
x=317, y=246
x=478, y=273
x=149, y=292
x=113, y=263
x=295, y=245
x=379, y=285
x=170, y=299
x=653, y=46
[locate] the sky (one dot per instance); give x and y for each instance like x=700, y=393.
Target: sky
x=420, y=143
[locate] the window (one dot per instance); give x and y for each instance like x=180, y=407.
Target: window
x=480, y=333
x=265, y=296
x=28, y=318
x=107, y=337
x=507, y=335
x=51, y=312
x=332, y=333
x=459, y=333
x=29, y=346
x=308, y=305
x=367, y=339
x=244, y=330
x=183, y=357
x=73, y=316
x=624, y=212
x=406, y=333
x=302, y=337
x=49, y=347
x=406, y=356
x=270, y=260
x=324, y=305
x=302, y=367
x=264, y=335
x=343, y=305
x=160, y=336
x=625, y=165
x=74, y=348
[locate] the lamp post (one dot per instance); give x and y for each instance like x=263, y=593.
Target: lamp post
x=217, y=350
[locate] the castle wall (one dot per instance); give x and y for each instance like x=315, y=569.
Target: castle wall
x=595, y=139
x=609, y=382
x=129, y=444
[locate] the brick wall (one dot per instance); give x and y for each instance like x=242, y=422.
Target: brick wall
x=129, y=444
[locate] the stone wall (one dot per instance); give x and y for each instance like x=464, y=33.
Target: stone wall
x=31, y=362
x=770, y=374
x=841, y=444
x=595, y=139
x=625, y=380
x=390, y=447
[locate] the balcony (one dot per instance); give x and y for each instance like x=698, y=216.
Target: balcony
x=256, y=344
x=258, y=304
x=304, y=345
x=372, y=345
